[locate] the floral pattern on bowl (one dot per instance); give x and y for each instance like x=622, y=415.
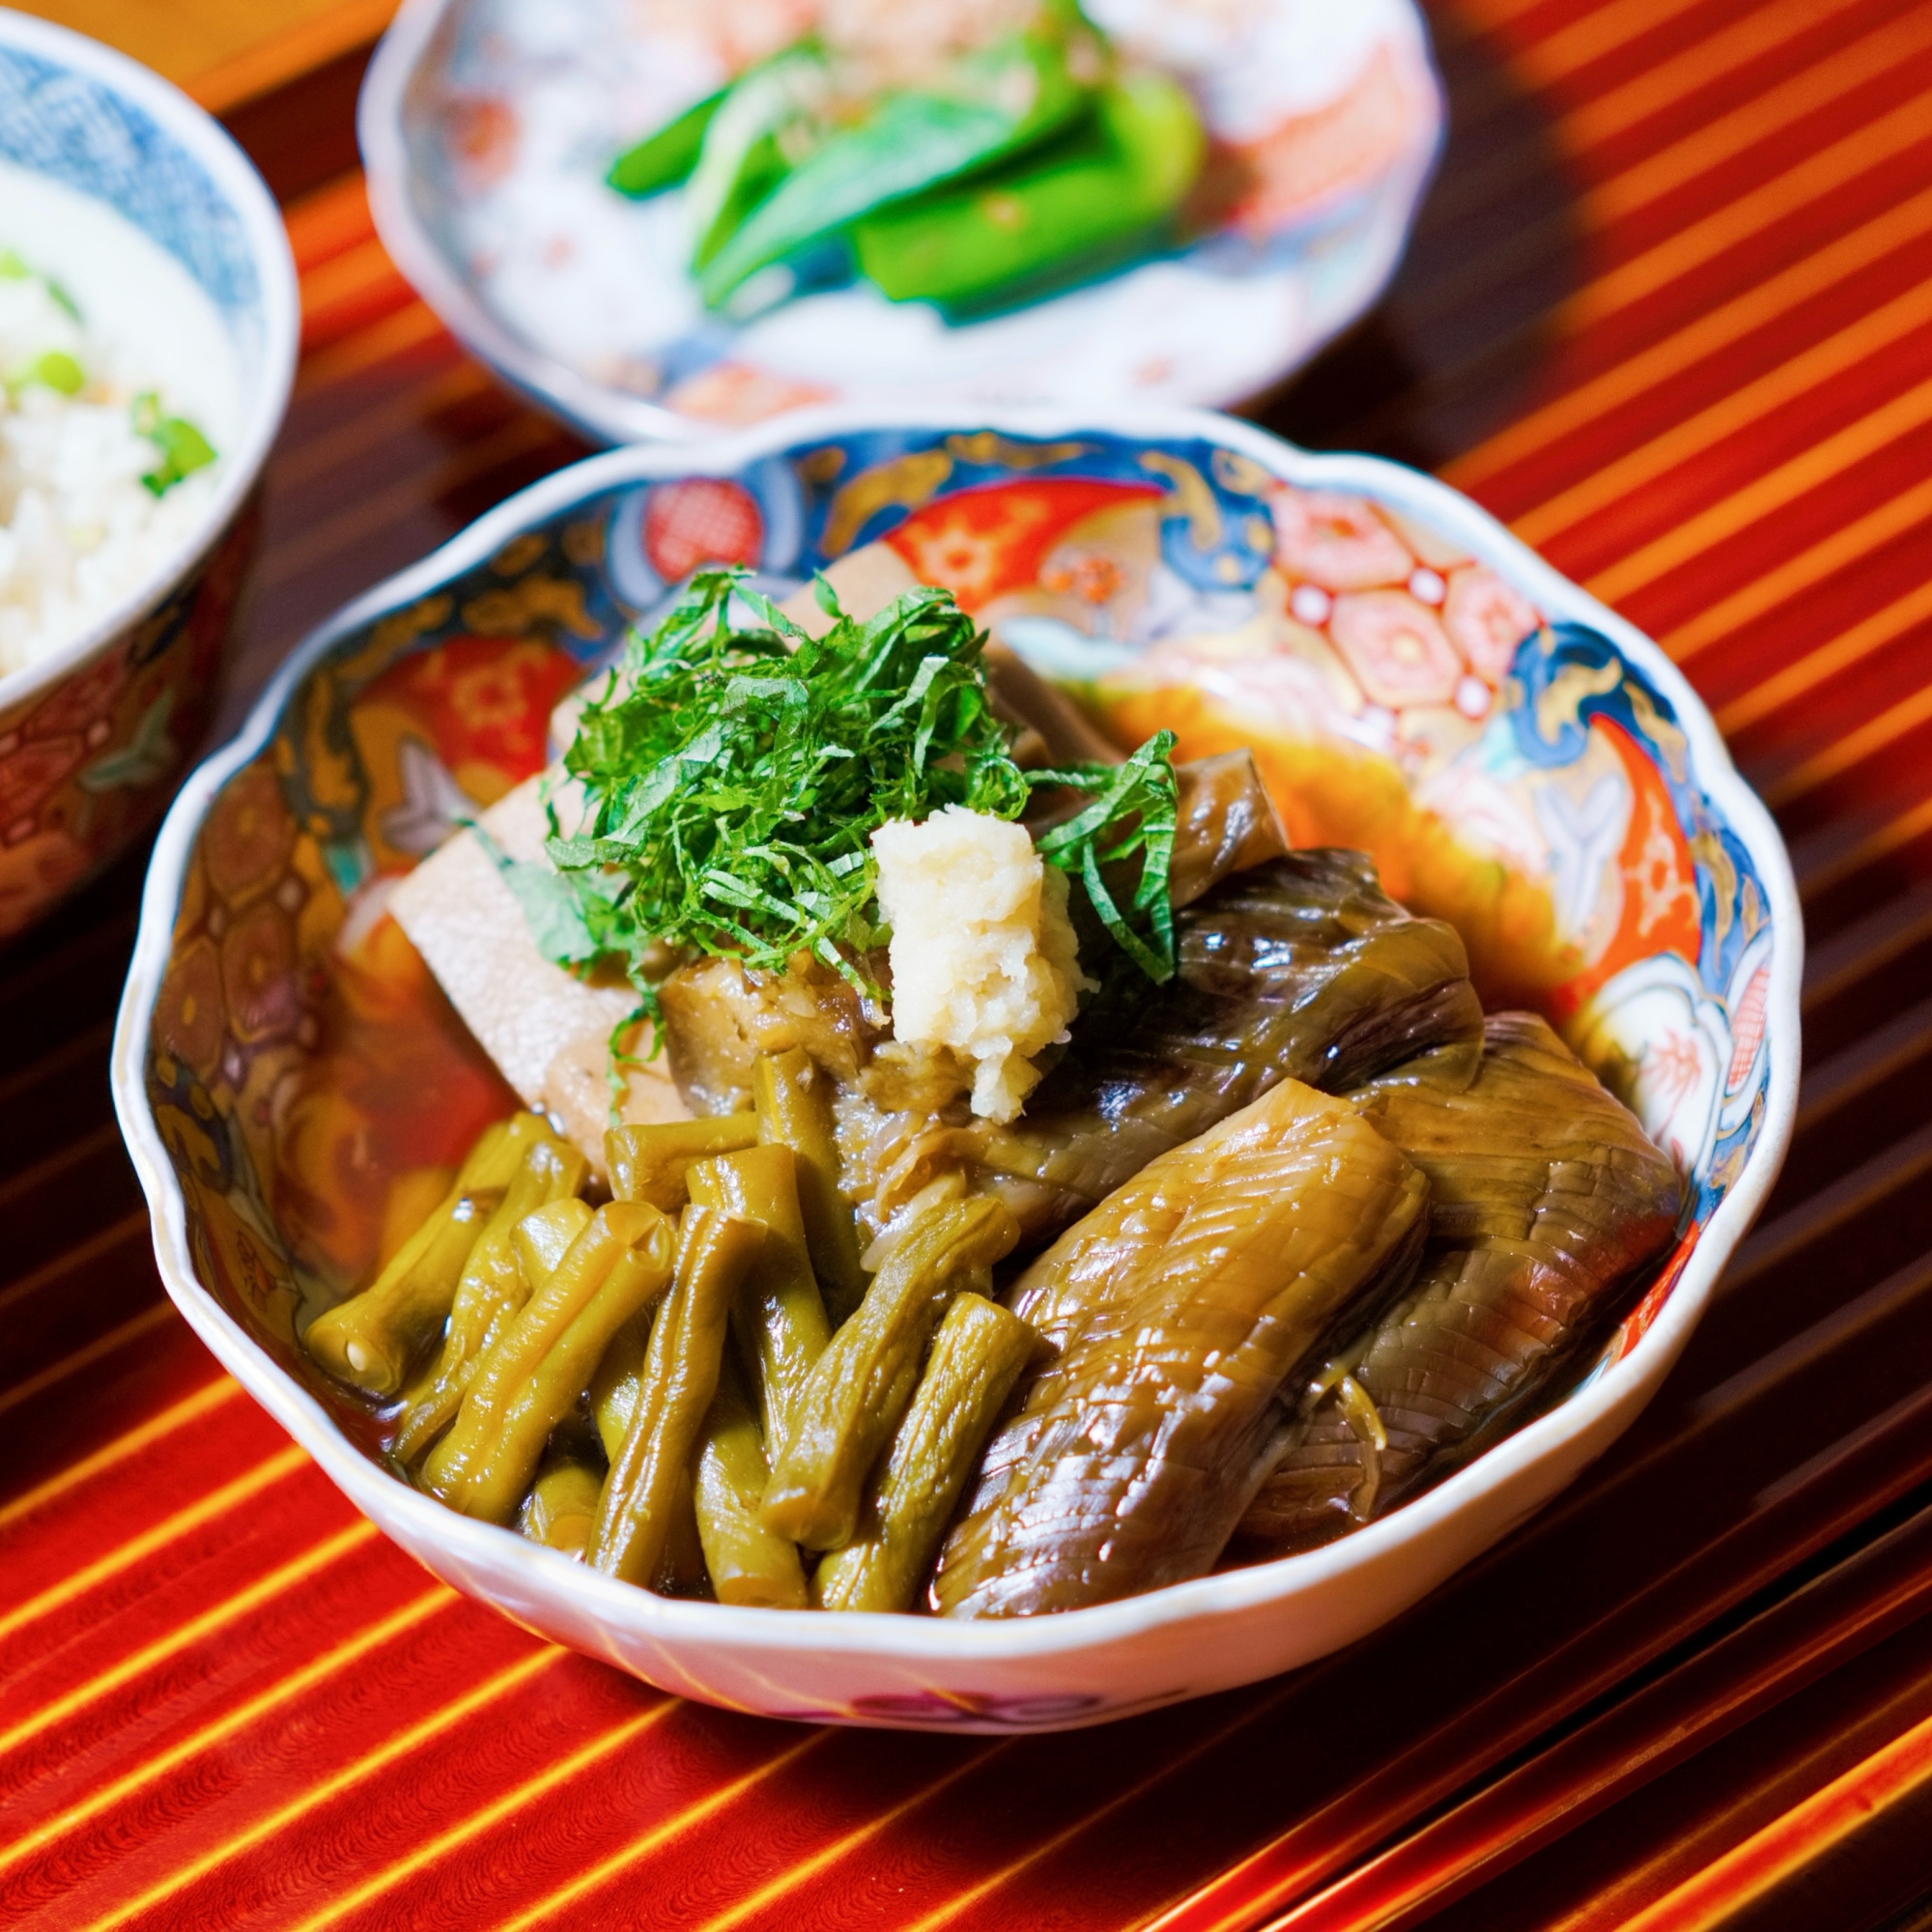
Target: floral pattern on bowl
x=1413, y=681
x=487, y=126
x=95, y=735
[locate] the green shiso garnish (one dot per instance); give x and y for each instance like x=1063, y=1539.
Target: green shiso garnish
x=736, y=768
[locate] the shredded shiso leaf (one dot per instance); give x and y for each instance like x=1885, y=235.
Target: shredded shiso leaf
x=736, y=768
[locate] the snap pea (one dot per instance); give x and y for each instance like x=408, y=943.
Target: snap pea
x=778, y=1316
x=490, y=1292
x=977, y=1357
x=651, y=1471
x=562, y=1507
x=739, y=160
x=748, y=1563
x=542, y=1239
x=793, y=1102
x=998, y=101
x=371, y=1341
x=664, y=158
x=648, y=1163
x=864, y=1380
x=524, y=1385
x=1069, y=205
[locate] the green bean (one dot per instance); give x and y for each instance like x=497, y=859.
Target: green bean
x=648, y=1163
x=793, y=1100
x=748, y=1564
x=620, y=1376
x=666, y=157
x=489, y=1295
x=977, y=1357
x=372, y=1340
x=864, y=1380
x=681, y=1571
x=778, y=1317
x=562, y=1507
x=542, y=1239
x=620, y=1261
x=564, y=1374
x=642, y=1492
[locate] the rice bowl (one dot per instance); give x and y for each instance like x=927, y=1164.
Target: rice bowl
x=88, y=509
x=148, y=330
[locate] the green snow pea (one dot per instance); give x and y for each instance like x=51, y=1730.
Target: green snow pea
x=1001, y=101
x=1078, y=200
x=742, y=155
x=666, y=157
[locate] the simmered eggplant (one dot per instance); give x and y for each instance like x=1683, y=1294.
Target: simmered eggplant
x=1226, y=823
x=1301, y=968
x=1546, y=1202
x=1177, y=1310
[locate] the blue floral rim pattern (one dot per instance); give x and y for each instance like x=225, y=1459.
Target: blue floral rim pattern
x=77, y=131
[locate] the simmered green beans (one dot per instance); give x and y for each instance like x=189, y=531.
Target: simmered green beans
x=866, y=1379
x=778, y=1317
x=648, y=1163
x=793, y=1100
x=562, y=1507
x=749, y=1563
x=521, y=1389
x=977, y=1357
x=542, y=1239
x=613, y=1389
x=651, y=1472
x=373, y=1339
x=491, y=1292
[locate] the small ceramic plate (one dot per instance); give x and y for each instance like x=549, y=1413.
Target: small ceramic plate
x=1411, y=679
x=486, y=126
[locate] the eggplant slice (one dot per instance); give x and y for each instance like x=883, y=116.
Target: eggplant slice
x=1301, y=968
x=1547, y=1203
x=1177, y=1311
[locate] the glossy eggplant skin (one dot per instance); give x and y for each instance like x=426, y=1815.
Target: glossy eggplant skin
x=1549, y=1201
x=1177, y=1311
x=1301, y=968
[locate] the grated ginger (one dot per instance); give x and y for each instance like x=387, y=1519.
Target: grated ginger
x=983, y=957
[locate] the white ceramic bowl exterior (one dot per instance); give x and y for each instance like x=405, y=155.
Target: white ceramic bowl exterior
x=1734, y=1008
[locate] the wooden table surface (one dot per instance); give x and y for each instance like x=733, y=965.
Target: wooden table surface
x=1668, y=311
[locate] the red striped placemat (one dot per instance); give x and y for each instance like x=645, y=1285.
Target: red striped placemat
x=1667, y=311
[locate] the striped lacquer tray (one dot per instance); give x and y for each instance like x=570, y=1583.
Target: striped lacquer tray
x=1669, y=311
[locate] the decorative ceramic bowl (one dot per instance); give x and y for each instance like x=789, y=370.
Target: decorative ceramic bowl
x=486, y=126
x=1411, y=678
x=124, y=192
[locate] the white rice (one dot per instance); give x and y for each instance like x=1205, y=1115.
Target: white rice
x=78, y=528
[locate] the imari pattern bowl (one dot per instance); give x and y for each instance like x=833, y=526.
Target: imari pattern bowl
x=486, y=126
x=1414, y=682
x=94, y=736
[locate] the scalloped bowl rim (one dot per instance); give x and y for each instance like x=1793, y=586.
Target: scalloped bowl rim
x=234, y=174
x=931, y=1641
x=599, y=413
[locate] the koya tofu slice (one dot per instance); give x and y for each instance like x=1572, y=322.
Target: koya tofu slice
x=548, y=1030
